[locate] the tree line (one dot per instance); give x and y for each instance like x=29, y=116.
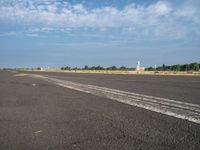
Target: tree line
x=86, y=67
x=185, y=67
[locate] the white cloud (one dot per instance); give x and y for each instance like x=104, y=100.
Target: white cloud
x=189, y=11
x=160, y=8
x=158, y=19
x=19, y=33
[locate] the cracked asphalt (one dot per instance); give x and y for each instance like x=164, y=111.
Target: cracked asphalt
x=35, y=114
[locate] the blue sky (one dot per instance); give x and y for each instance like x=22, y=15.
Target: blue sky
x=55, y=33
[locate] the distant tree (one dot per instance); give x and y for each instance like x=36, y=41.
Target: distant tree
x=176, y=67
x=159, y=68
x=65, y=68
x=187, y=67
x=86, y=67
x=123, y=68
x=194, y=66
x=76, y=68
x=93, y=68
x=99, y=68
x=149, y=69
x=112, y=68
x=167, y=68
x=39, y=68
x=163, y=67
x=184, y=67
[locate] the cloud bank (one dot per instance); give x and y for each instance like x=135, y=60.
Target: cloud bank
x=160, y=19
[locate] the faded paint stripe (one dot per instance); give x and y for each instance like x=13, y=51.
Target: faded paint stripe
x=178, y=109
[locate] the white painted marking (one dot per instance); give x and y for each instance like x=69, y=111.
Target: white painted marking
x=178, y=109
x=36, y=132
x=33, y=84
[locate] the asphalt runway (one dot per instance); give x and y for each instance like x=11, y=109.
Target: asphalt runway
x=182, y=88
x=36, y=114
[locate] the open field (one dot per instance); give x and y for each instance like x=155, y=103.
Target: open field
x=181, y=73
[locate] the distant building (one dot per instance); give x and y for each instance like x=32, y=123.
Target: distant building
x=139, y=68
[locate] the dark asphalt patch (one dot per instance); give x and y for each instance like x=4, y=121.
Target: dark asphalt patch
x=69, y=119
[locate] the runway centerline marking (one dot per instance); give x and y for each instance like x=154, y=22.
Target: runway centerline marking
x=178, y=109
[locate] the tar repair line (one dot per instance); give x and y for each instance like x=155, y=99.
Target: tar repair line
x=178, y=109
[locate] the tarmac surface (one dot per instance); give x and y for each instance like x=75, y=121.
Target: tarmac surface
x=182, y=88
x=35, y=114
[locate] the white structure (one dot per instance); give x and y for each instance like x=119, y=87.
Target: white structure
x=138, y=68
